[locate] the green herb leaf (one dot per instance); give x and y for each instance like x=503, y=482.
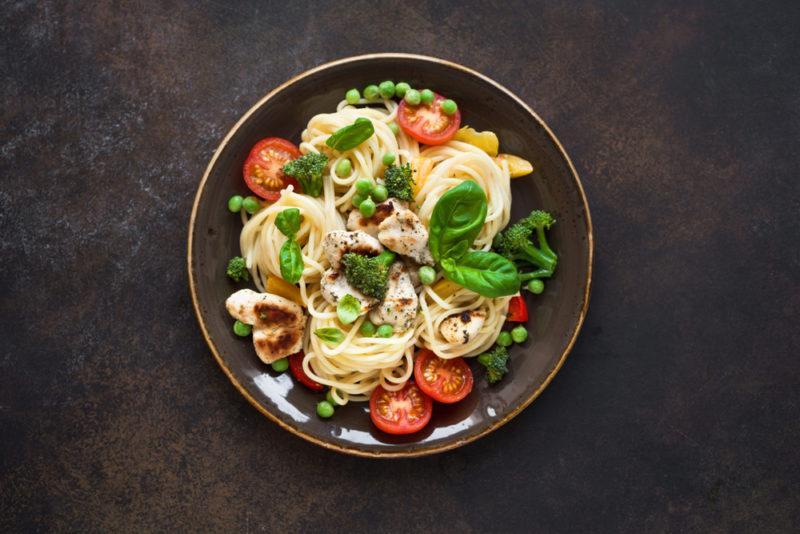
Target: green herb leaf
x=288, y=221
x=456, y=221
x=485, y=273
x=291, y=261
x=349, y=137
x=331, y=336
x=348, y=309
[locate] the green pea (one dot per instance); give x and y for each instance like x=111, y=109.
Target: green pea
x=344, y=168
x=371, y=92
x=367, y=329
x=504, y=339
x=367, y=207
x=352, y=96
x=448, y=107
x=427, y=275
x=519, y=334
x=241, y=329
x=364, y=186
x=536, y=287
x=385, y=330
x=357, y=199
x=329, y=397
x=401, y=88
x=388, y=158
x=235, y=203
x=426, y=96
x=251, y=204
x=379, y=194
x=386, y=89
x=324, y=409
x=485, y=359
x=279, y=366
x=412, y=97
x=394, y=128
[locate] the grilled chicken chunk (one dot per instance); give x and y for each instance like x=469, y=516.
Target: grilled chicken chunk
x=402, y=232
x=338, y=243
x=461, y=327
x=278, y=323
x=335, y=286
x=399, y=307
x=356, y=221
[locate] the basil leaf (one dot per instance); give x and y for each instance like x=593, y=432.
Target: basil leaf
x=291, y=260
x=486, y=273
x=348, y=309
x=288, y=221
x=331, y=336
x=351, y=136
x=456, y=221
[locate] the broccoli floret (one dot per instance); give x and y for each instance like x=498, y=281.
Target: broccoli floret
x=516, y=244
x=237, y=269
x=495, y=363
x=370, y=275
x=307, y=170
x=398, y=182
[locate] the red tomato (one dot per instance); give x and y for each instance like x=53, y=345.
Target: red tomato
x=517, y=310
x=445, y=381
x=427, y=123
x=400, y=412
x=263, y=168
x=296, y=367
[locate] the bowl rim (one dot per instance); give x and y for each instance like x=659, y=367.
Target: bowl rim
x=424, y=451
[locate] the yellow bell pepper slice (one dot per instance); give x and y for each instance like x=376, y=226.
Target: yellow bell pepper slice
x=486, y=141
x=516, y=165
x=421, y=168
x=282, y=288
x=444, y=288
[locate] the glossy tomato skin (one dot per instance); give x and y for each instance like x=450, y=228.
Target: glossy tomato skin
x=388, y=409
x=263, y=168
x=446, y=381
x=296, y=367
x=427, y=123
x=517, y=310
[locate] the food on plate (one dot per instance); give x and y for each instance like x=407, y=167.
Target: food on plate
x=381, y=255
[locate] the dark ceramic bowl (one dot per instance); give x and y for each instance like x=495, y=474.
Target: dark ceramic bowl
x=556, y=315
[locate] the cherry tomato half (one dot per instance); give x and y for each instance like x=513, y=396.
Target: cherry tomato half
x=445, y=381
x=405, y=411
x=517, y=310
x=427, y=123
x=263, y=168
x=296, y=367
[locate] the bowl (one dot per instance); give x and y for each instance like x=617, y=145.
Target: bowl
x=556, y=315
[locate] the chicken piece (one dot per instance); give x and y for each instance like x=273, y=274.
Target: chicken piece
x=399, y=307
x=335, y=286
x=356, y=221
x=338, y=243
x=402, y=232
x=460, y=328
x=278, y=323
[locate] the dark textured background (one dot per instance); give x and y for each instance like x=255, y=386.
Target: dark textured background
x=679, y=409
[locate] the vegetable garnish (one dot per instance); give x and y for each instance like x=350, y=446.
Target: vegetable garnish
x=446, y=381
x=516, y=244
x=517, y=166
x=405, y=411
x=237, y=269
x=517, y=310
x=398, y=182
x=290, y=256
x=263, y=168
x=296, y=367
x=495, y=363
x=307, y=170
x=486, y=141
x=348, y=309
x=370, y=275
x=331, y=335
x=349, y=137
x=428, y=124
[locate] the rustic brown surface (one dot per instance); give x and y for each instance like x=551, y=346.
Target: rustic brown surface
x=678, y=411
